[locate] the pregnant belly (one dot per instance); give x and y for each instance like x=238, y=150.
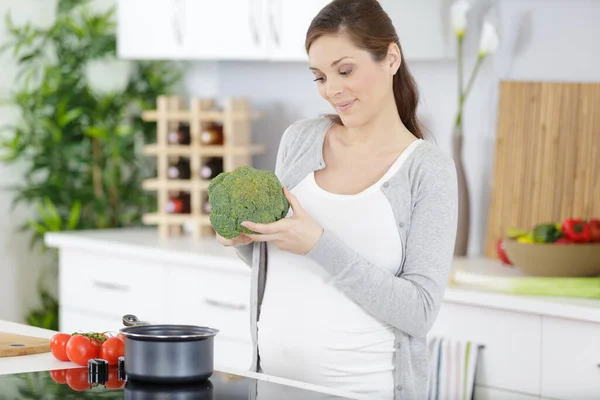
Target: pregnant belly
x=324, y=338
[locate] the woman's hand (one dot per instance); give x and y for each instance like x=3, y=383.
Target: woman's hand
x=239, y=240
x=297, y=234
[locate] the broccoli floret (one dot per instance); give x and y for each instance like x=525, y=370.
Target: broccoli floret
x=245, y=194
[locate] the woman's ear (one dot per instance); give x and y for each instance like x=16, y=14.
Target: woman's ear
x=394, y=57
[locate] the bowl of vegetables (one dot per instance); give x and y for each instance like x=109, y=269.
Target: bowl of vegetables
x=570, y=248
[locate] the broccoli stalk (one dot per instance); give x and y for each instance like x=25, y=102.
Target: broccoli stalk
x=245, y=194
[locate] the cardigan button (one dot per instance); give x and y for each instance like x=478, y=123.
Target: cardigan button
x=386, y=184
x=401, y=224
x=399, y=388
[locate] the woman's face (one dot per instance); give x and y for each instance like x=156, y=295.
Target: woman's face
x=349, y=79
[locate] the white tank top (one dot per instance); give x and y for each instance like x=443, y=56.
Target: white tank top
x=309, y=330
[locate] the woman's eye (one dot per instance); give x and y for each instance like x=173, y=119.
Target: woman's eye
x=319, y=78
x=344, y=73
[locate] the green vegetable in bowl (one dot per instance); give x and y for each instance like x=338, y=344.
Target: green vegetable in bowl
x=245, y=194
x=546, y=233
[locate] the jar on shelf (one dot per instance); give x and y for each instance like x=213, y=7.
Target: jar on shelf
x=212, y=135
x=180, y=169
x=212, y=167
x=180, y=135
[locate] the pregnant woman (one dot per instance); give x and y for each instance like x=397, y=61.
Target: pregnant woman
x=347, y=286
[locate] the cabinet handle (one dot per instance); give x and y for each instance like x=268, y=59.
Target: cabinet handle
x=176, y=19
x=272, y=22
x=111, y=286
x=253, y=27
x=222, y=304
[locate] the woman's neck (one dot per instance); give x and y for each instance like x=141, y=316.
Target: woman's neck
x=384, y=132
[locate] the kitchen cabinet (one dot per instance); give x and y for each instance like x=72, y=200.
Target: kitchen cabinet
x=267, y=30
x=570, y=359
x=423, y=28
x=289, y=22
x=151, y=29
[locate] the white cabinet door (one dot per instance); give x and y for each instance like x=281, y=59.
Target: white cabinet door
x=511, y=357
x=488, y=393
x=288, y=22
x=423, y=28
x=151, y=29
x=226, y=29
x=570, y=359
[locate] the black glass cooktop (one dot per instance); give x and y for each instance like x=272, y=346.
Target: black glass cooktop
x=71, y=384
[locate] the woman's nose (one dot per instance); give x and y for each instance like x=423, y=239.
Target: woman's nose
x=334, y=88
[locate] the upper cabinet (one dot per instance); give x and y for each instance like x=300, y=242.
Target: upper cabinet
x=423, y=28
x=288, y=24
x=272, y=30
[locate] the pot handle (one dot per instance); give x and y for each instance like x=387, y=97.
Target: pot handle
x=132, y=320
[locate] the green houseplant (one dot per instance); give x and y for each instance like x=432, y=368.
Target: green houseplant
x=80, y=132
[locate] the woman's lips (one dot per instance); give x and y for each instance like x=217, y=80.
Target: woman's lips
x=345, y=106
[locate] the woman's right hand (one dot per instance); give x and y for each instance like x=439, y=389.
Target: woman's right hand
x=240, y=240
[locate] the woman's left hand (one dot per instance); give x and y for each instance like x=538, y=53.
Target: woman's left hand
x=297, y=234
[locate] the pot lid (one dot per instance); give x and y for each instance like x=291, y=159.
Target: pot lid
x=169, y=332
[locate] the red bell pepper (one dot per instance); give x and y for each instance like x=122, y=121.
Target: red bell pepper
x=577, y=230
x=594, y=229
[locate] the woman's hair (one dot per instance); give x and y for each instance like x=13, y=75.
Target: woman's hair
x=371, y=29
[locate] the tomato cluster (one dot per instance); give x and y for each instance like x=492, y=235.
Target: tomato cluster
x=81, y=347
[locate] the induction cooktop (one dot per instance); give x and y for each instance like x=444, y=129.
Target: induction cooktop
x=110, y=382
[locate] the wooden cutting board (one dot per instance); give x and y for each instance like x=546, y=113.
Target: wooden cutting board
x=547, y=156
x=17, y=345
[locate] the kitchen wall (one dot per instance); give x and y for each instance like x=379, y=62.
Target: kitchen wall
x=555, y=37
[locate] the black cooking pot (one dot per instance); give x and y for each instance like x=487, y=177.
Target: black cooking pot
x=167, y=353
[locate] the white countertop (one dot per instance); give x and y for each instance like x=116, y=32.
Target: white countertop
x=144, y=243
x=47, y=362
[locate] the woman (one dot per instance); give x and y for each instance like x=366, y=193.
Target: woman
x=346, y=288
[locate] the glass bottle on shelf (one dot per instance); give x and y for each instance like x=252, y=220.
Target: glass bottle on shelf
x=180, y=136
x=206, y=206
x=180, y=204
x=180, y=169
x=212, y=167
x=212, y=134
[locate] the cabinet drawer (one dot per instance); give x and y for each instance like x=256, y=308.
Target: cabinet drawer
x=210, y=297
x=487, y=393
x=114, y=286
x=511, y=357
x=74, y=320
x=570, y=358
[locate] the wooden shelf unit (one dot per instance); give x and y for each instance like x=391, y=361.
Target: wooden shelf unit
x=236, y=150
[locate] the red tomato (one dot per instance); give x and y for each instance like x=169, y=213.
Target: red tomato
x=59, y=376
x=77, y=379
x=113, y=381
x=58, y=346
x=502, y=252
x=80, y=349
x=120, y=335
x=112, y=349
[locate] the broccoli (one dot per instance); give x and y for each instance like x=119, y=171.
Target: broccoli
x=245, y=194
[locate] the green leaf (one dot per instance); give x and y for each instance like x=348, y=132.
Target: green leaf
x=74, y=216
x=124, y=130
x=70, y=116
x=96, y=132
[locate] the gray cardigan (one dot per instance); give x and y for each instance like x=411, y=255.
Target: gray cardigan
x=423, y=196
